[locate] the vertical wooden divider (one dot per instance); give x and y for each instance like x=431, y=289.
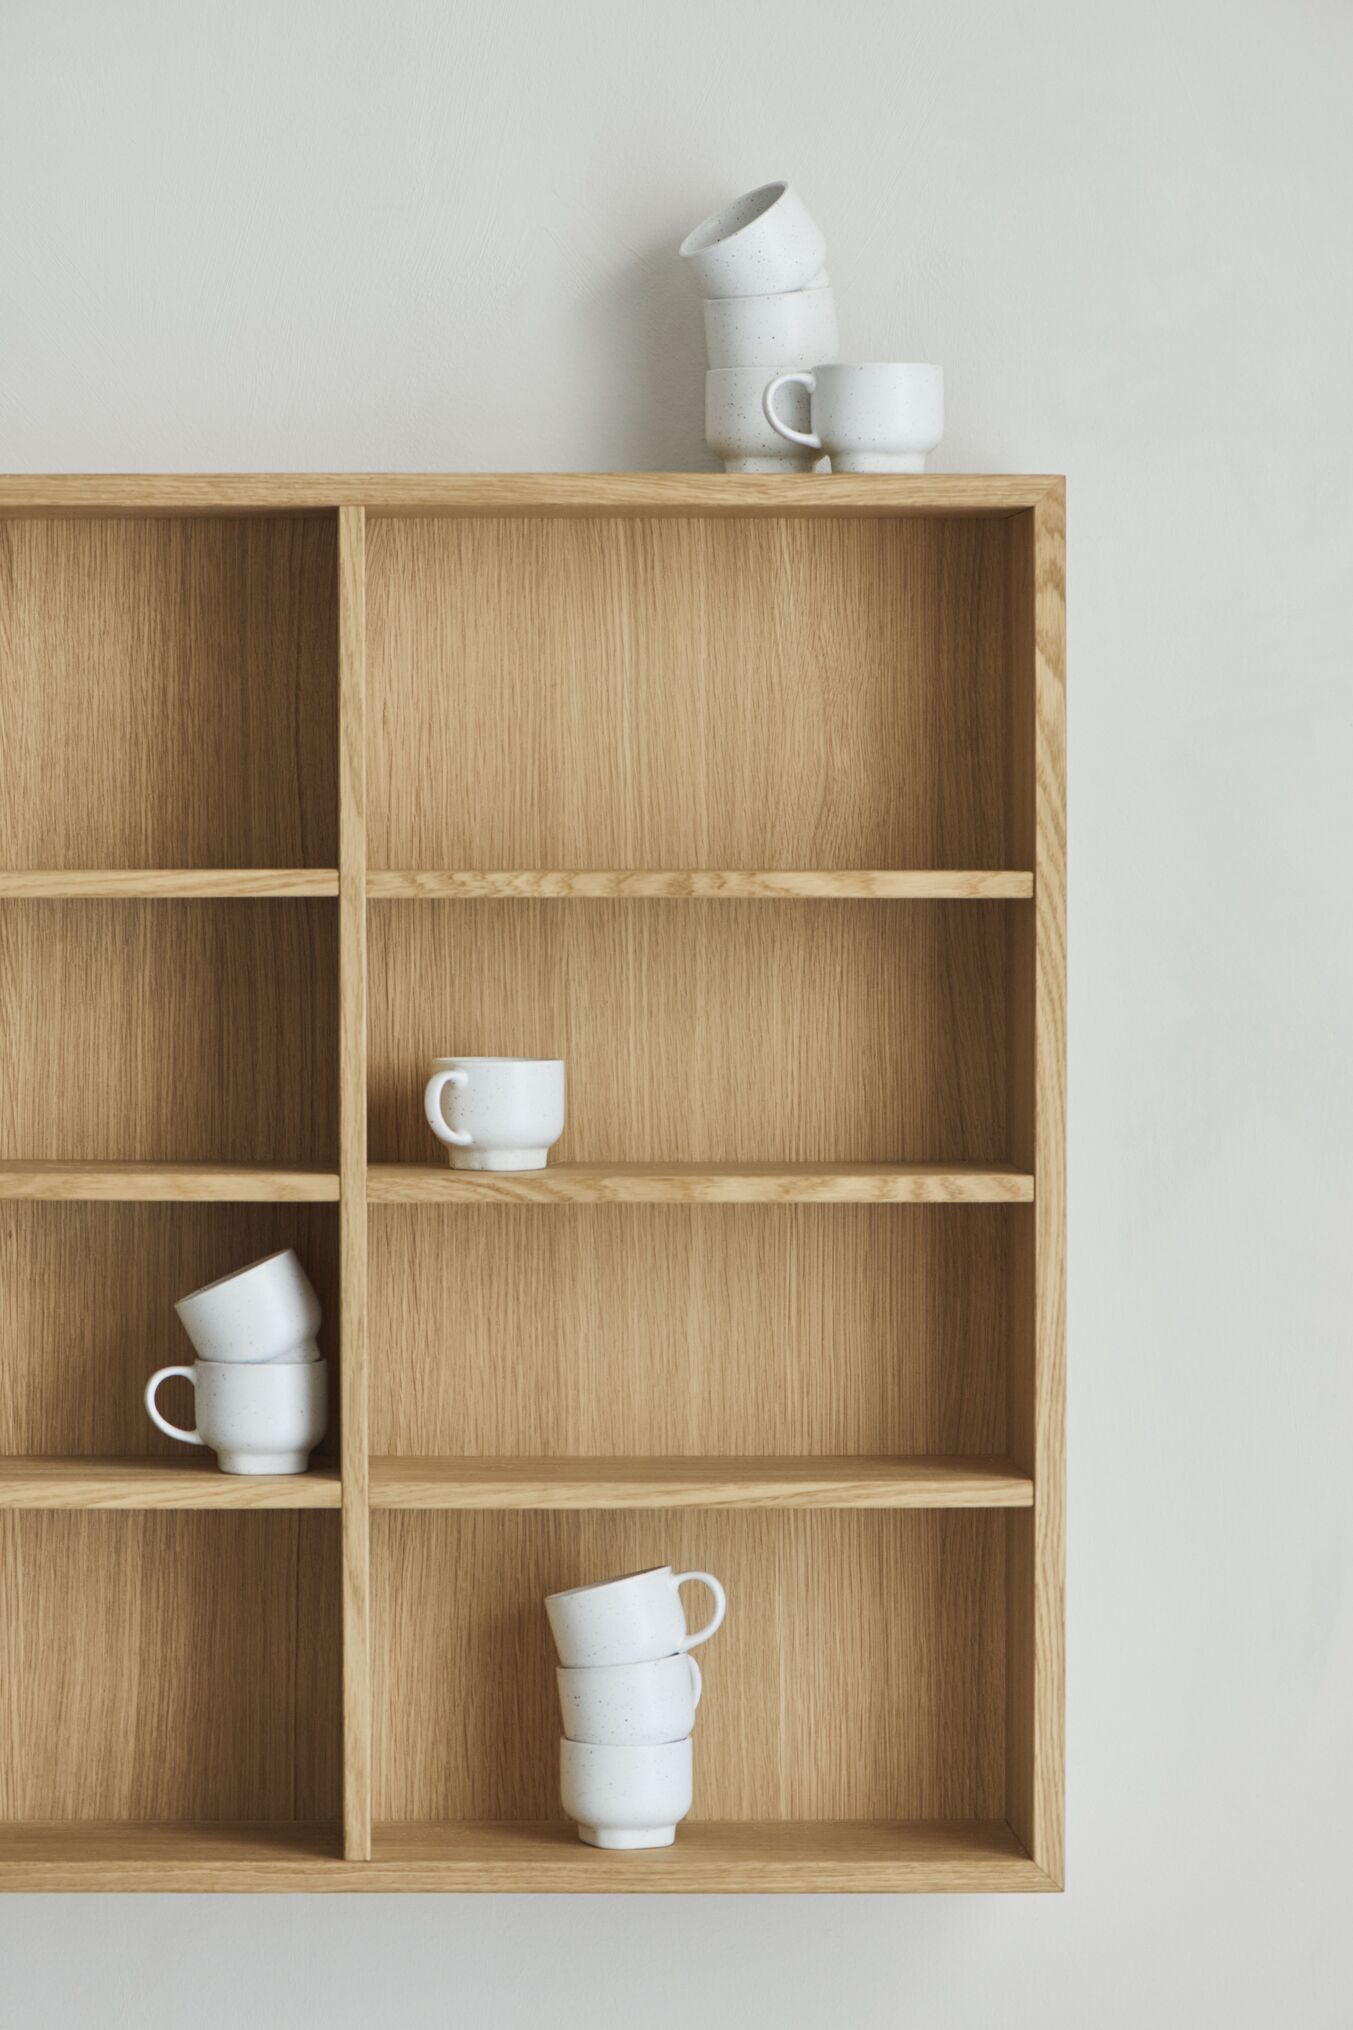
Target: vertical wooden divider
x=352, y=1179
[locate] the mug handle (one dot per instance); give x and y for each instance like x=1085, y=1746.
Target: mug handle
x=162, y=1423
x=697, y=1683
x=432, y=1107
x=807, y=437
x=720, y=1605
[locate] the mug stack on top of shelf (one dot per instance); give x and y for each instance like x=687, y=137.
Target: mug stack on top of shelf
x=769, y=308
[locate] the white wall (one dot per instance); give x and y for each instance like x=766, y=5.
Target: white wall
x=376, y=234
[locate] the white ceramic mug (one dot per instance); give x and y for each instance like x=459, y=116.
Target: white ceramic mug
x=736, y=429
x=883, y=417
x=792, y=329
x=256, y=1419
x=265, y=1312
x=496, y=1113
x=764, y=241
x=631, y=1705
x=625, y=1797
x=629, y=1620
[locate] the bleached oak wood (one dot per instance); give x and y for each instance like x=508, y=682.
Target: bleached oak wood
x=888, y=1625
x=352, y=1170
x=770, y=1856
x=699, y=1184
x=589, y=494
x=172, y=1182
x=74, y=883
x=158, y=1483
x=698, y=1483
x=708, y=885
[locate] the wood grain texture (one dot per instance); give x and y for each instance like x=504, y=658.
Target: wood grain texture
x=352, y=1017
x=888, y=1627
x=708, y=885
x=86, y=1314
x=831, y=1856
x=160, y=1483
x=166, y=693
x=688, y=694
x=1037, y=1370
x=135, y=1033
x=556, y=1331
x=699, y=1184
x=814, y=1032
x=697, y=1483
x=168, y=883
x=521, y=493
x=169, y=1666
x=177, y=1183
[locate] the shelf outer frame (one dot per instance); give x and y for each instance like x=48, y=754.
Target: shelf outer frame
x=1028, y=1852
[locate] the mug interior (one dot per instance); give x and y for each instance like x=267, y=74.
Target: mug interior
x=734, y=217
x=235, y=1275
x=450, y=1063
x=600, y=1585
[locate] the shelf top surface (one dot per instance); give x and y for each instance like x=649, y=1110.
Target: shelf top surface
x=513, y=493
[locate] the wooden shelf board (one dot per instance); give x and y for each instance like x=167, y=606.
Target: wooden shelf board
x=524, y=493
x=57, y=884
x=702, y=1184
x=160, y=1483
x=168, y=1182
x=758, y=1857
x=900, y=885
x=698, y=1483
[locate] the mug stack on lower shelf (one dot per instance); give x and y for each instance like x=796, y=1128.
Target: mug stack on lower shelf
x=628, y=1691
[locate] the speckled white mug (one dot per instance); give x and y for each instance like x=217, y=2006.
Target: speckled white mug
x=736, y=429
x=882, y=416
x=630, y=1705
x=256, y=1419
x=795, y=328
x=629, y=1620
x=265, y=1312
x=764, y=241
x=496, y=1113
x=625, y=1797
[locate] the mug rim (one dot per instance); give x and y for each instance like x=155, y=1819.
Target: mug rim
x=234, y=1277
x=648, y=1663
x=910, y=366
x=439, y=1061
x=601, y=1586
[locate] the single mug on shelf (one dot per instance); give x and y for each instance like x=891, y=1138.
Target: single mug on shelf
x=496, y=1113
x=764, y=241
x=736, y=428
x=630, y=1705
x=261, y=1418
x=625, y=1797
x=629, y=1620
x=879, y=417
x=267, y=1312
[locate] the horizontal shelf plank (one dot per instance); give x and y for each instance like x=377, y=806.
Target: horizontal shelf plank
x=698, y=1483
x=525, y=493
x=60, y=884
x=753, y=1856
x=160, y=1483
x=233, y=1182
x=708, y=884
x=703, y=1184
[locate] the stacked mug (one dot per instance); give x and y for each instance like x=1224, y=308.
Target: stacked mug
x=769, y=309
x=260, y=1386
x=628, y=1690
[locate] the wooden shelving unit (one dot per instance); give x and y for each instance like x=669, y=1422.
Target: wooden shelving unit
x=788, y=1306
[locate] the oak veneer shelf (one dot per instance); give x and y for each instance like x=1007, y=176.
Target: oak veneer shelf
x=170, y=1183
x=891, y=885
x=73, y=884
x=701, y=1184
x=790, y=1304
x=698, y=1483
x=158, y=1483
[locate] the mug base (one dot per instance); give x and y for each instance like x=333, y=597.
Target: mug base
x=263, y=1462
x=770, y=465
x=617, y=1838
x=878, y=461
x=499, y=1159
